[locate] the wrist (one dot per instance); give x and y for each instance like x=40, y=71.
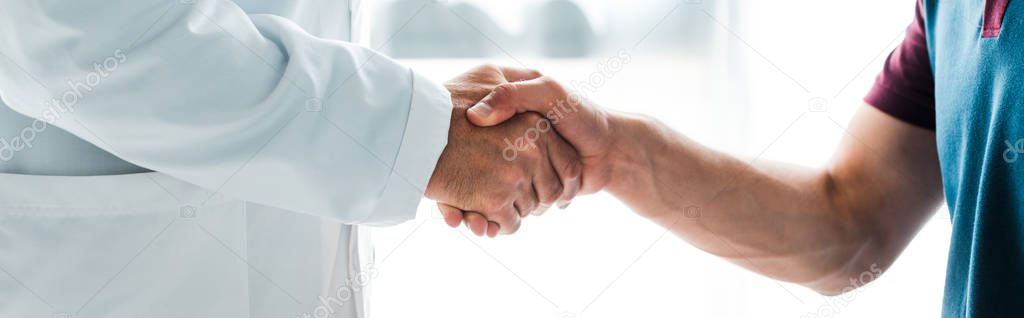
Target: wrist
x=435, y=183
x=628, y=160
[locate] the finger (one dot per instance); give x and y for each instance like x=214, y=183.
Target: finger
x=564, y=204
x=526, y=204
x=493, y=229
x=543, y=208
x=565, y=161
x=546, y=183
x=452, y=216
x=507, y=219
x=476, y=223
x=518, y=74
x=528, y=201
x=537, y=95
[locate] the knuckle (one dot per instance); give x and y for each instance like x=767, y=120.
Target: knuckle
x=496, y=205
x=511, y=180
x=528, y=206
x=531, y=201
x=552, y=194
x=488, y=67
x=493, y=205
x=505, y=91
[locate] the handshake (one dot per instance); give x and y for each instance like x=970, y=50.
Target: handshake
x=518, y=144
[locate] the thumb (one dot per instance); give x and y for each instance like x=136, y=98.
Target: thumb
x=507, y=100
x=488, y=113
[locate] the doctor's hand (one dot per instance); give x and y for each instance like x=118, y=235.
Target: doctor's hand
x=589, y=128
x=493, y=177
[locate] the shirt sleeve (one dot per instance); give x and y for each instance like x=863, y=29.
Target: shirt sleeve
x=250, y=106
x=905, y=89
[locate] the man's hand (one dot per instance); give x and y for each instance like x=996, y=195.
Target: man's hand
x=587, y=127
x=492, y=177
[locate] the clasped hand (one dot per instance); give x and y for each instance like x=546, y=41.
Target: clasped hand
x=506, y=157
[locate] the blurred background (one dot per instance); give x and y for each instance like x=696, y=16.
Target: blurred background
x=765, y=80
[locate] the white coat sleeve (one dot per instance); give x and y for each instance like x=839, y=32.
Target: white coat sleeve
x=250, y=106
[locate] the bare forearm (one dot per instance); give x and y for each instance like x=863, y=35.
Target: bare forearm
x=788, y=223
x=817, y=227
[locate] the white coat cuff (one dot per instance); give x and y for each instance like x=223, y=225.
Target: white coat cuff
x=426, y=134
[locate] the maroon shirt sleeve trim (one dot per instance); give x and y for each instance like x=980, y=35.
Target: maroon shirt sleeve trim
x=905, y=89
x=995, y=10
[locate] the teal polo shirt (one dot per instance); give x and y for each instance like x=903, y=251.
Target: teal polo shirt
x=960, y=71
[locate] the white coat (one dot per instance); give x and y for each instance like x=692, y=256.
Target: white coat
x=270, y=136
